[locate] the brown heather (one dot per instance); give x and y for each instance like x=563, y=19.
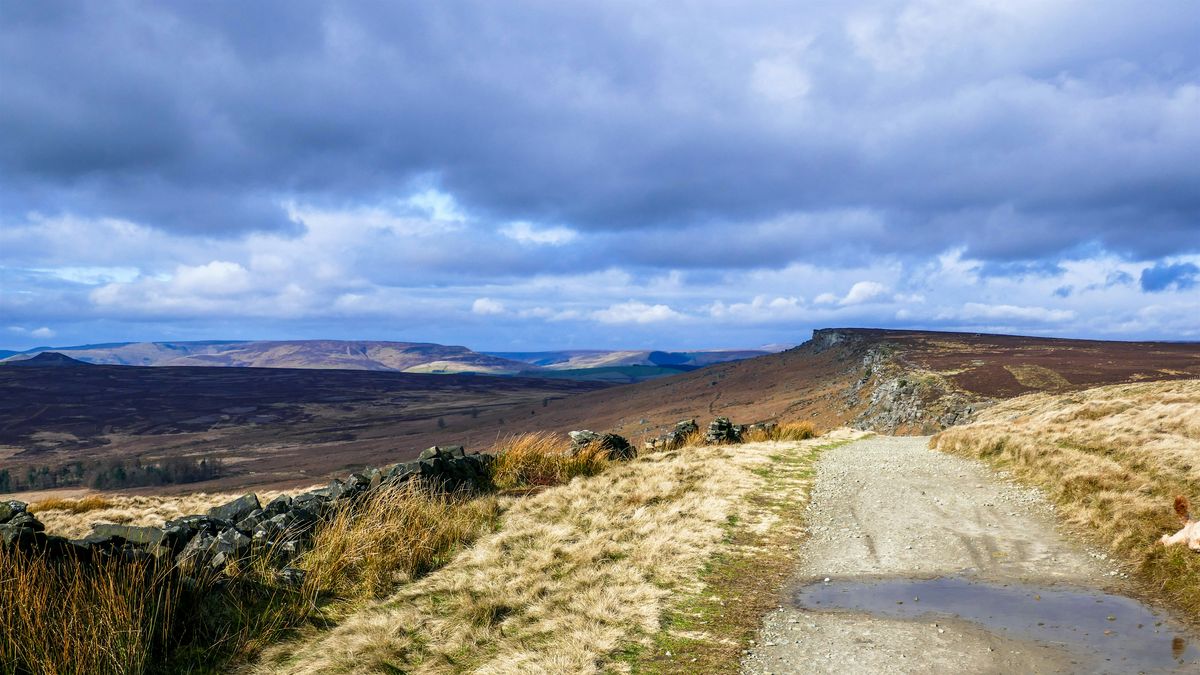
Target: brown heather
x=1113, y=458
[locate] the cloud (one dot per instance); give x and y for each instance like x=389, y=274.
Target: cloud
x=636, y=312
x=43, y=332
x=526, y=233
x=865, y=291
x=487, y=307
x=1163, y=276
x=358, y=168
x=976, y=311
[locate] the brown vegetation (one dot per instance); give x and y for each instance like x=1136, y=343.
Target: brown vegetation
x=1114, y=458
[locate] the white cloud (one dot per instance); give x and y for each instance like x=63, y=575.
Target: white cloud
x=525, y=233
x=218, y=277
x=636, y=312
x=976, y=310
x=43, y=332
x=487, y=307
x=865, y=291
x=760, y=309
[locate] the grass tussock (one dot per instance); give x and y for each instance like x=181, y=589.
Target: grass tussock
x=59, y=618
x=1113, y=458
x=578, y=578
x=121, y=617
x=85, y=504
x=392, y=538
x=786, y=431
x=542, y=459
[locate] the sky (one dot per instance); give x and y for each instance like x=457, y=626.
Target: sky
x=546, y=175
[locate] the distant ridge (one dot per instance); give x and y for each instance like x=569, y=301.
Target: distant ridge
x=46, y=360
x=407, y=357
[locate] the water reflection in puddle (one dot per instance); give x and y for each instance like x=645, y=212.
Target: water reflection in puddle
x=1113, y=627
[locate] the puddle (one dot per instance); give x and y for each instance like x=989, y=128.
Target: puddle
x=1113, y=627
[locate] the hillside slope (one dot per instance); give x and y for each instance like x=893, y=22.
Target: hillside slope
x=599, y=358
x=280, y=427
x=410, y=357
x=885, y=380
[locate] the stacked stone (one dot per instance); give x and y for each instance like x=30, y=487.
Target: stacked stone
x=616, y=447
x=767, y=428
x=280, y=530
x=674, y=438
x=721, y=430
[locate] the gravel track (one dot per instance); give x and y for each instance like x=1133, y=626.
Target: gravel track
x=889, y=507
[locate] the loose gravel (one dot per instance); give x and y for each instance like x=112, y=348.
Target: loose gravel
x=889, y=507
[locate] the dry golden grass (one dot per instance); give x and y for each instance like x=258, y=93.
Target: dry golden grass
x=397, y=535
x=1113, y=458
x=575, y=576
x=85, y=504
x=74, y=517
x=541, y=459
x=786, y=431
x=67, y=618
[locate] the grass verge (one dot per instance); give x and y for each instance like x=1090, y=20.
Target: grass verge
x=598, y=574
x=707, y=630
x=1113, y=458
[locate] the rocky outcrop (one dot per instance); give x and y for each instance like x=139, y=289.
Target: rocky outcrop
x=616, y=447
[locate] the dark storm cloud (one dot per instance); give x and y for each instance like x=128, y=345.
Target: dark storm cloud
x=648, y=121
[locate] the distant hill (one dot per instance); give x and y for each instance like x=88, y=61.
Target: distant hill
x=599, y=358
x=407, y=357
x=892, y=381
x=45, y=360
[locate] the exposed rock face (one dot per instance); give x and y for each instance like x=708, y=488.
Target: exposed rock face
x=908, y=398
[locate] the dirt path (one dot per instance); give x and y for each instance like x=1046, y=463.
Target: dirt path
x=890, y=519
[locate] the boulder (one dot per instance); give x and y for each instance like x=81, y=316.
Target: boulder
x=25, y=519
x=143, y=536
x=10, y=508
x=236, y=509
x=278, y=505
x=20, y=537
x=616, y=446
